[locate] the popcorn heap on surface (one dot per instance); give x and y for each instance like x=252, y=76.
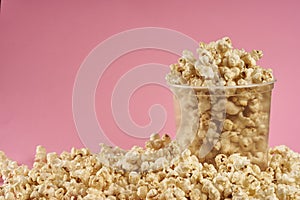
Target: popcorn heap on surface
x=83, y=175
x=223, y=102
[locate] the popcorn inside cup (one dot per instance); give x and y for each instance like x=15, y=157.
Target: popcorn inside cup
x=222, y=102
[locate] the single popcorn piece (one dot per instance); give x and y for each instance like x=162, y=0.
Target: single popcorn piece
x=226, y=87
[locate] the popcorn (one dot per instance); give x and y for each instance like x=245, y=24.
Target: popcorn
x=40, y=155
x=232, y=109
x=231, y=91
x=134, y=177
x=142, y=191
x=188, y=56
x=182, y=177
x=195, y=194
x=152, y=193
x=209, y=188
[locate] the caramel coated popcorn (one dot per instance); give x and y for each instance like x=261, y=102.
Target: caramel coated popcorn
x=222, y=100
x=80, y=174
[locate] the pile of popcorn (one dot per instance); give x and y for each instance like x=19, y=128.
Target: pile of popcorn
x=223, y=99
x=158, y=171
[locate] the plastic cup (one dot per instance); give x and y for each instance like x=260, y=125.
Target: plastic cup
x=224, y=120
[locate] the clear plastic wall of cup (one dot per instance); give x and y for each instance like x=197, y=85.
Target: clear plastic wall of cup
x=224, y=120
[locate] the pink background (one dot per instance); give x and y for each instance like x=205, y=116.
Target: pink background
x=43, y=43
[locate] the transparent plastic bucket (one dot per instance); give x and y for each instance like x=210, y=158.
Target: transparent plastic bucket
x=224, y=120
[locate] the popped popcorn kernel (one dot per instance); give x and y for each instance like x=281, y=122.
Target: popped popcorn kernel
x=182, y=177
